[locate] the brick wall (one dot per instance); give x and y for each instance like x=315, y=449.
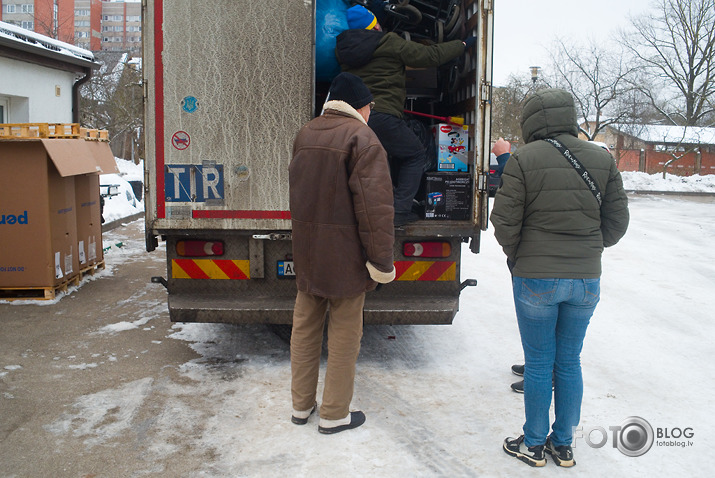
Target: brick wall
x=629, y=160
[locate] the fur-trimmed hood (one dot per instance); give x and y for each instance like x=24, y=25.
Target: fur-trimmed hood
x=343, y=107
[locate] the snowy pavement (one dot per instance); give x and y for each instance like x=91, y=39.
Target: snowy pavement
x=213, y=400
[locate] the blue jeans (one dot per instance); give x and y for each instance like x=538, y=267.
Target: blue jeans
x=553, y=315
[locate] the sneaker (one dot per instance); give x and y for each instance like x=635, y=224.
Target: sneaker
x=562, y=455
x=518, y=370
x=301, y=417
x=353, y=420
x=532, y=456
x=518, y=387
x=402, y=218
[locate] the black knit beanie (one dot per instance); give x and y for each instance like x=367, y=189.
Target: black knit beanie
x=350, y=89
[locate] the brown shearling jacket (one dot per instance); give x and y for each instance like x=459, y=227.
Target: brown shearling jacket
x=341, y=205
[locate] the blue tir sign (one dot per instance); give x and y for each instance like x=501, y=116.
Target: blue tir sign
x=193, y=183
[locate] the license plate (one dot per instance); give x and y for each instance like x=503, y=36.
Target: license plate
x=286, y=269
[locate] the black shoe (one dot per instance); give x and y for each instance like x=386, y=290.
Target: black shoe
x=532, y=456
x=562, y=455
x=402, y=218
x=518, y=387
x=302, y=417
x=356, y=419
x=518, y=370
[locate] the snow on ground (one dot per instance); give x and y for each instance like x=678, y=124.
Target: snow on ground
x=636, y=181
x=437, y=399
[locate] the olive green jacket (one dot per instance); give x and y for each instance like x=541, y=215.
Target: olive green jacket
x=545, y=218
x=380, y=58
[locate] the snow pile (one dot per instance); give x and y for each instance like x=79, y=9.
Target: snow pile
x=636, y=181
x=124, y=204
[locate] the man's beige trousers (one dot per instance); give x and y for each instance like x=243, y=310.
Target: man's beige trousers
x=344, y=334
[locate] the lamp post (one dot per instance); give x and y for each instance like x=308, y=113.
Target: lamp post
x=534, y=73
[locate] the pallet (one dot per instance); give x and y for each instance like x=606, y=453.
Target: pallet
x=91, y=270
x=94, y=134
x=37, y=293
x=52, y=130
x=39, y=130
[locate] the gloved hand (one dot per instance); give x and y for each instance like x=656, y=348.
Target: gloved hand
x=469, y=42
x=379, y=276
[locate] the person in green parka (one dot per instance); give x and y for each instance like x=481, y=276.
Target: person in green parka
x=379, y=58
x=553, y=227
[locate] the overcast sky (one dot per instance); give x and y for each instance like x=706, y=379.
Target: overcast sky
x=524, y=30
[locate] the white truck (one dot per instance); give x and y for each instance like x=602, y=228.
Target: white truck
x=228, y=84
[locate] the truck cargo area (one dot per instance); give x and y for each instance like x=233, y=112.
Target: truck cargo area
x=221, y=113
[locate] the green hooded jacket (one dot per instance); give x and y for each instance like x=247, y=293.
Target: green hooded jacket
x=380, y=58
x=545, y=218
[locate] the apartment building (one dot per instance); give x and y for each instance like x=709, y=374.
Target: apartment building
x=89, y=24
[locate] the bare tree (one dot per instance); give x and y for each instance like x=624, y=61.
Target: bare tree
x=597, y=79
x=113, y=100
x=507, y=102
x=675, y=46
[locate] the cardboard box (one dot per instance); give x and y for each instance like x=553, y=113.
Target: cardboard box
x=87, y=204
x=448, y=196
x=38, y=210
x=452, y=144
x=89, y=220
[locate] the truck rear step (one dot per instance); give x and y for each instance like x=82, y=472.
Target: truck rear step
x=379, y=309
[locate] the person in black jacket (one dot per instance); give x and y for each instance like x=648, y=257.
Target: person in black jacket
x=379, y=59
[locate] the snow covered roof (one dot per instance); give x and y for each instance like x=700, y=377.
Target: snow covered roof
x=669, y=134
x=28, y=41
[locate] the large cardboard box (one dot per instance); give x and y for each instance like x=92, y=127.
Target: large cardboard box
x=448, y=196
x=89, y=220
x=87, y=204
x=452, y=146
x=38, y=211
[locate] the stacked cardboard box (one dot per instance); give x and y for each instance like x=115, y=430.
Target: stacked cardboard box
x=50, y=224
x=452, y=146
x=448, y=196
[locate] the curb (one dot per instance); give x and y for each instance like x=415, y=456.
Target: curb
x=670, y=193
x=108, y=226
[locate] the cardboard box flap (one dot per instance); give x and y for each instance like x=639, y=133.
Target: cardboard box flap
x=103, y=157
x=70, y=156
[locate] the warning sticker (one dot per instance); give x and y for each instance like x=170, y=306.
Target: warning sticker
x=181, y=140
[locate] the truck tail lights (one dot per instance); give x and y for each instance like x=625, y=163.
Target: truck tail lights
x=427, y=249
x=199, y=248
